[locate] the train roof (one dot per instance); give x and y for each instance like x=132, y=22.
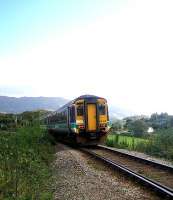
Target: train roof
x=87, y=96
x=64, y=106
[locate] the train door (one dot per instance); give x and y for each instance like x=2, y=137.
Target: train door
x=91, y=113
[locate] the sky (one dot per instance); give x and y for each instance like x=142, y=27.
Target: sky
x=119, y=49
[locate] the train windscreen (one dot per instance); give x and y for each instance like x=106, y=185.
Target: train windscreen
x=80, y=110
x=102, y=109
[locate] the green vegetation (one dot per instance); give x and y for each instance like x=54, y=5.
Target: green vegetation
x=160, y=121
x=128, y=142
x=9, y=122
x=160, y=144
x=137, y=127
x=131, y=133
x=25, y=164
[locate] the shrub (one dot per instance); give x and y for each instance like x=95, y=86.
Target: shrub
x=160, y=144
x=25, y=164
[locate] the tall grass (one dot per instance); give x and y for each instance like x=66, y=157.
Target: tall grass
x=127, y=142
x=25, y=165
x=160, y=144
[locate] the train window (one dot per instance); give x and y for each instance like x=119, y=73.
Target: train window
x=102, y=109
x=80, y=110
x=72, y=114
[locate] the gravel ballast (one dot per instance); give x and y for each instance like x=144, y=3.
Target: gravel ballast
x=80, y=177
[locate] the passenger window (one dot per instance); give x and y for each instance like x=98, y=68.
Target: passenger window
x=80, y=110
x=72, y=114
x=102, y=109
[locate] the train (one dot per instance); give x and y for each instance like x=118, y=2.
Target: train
x=83, y=121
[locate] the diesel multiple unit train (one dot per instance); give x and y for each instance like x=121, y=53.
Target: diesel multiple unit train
x=84, y=120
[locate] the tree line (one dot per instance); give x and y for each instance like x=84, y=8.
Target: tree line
x=13, y=121
x=138, y=125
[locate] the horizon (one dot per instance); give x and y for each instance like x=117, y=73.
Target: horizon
x=131, y=112
x=121, y=50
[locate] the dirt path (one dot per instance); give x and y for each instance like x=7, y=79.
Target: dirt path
x=78, y=177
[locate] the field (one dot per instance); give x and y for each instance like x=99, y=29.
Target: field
x=128, y=142
x=25, y=164
x=159, y=144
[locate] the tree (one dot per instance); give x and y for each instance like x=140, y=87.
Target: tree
x=138, y=127
x=160, y=121
x=117, y=125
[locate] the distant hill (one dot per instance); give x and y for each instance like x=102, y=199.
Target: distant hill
x=18, y=105
x=119, y=113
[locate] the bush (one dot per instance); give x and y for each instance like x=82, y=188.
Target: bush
x=25, y=164
x=160, y=144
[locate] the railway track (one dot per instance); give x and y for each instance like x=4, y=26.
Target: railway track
x=156, y=176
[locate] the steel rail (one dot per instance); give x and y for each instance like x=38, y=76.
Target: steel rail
x=155, y=186
x=143, y=160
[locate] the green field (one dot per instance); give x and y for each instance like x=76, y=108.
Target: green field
x=128, y=142
x=159, y=144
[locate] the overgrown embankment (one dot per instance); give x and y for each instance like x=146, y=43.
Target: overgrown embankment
x=159, y=144
x=25, y=164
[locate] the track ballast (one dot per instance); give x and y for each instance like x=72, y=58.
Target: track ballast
x=156, y=176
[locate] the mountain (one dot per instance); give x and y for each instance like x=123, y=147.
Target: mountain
x=18, y=105
x=119, y=113
x=21, y=104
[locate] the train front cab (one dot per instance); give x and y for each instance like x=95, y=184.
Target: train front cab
x=92, y=120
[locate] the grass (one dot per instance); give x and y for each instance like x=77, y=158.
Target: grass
x=25, y=165
x=127, y=142
x=159, y=144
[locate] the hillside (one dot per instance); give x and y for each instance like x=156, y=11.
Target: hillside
x=116, y=112
x=17, y=105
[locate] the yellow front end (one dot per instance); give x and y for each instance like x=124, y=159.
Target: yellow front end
x=80, y=121
x=92, y=121
x=103, y=115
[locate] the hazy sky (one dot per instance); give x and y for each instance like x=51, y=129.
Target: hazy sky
x=118, y=49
